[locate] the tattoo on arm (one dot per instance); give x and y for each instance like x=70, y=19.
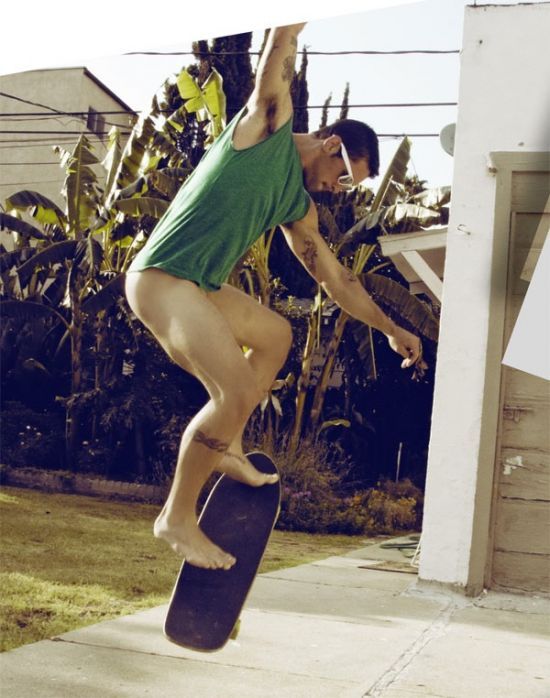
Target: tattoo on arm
x=349, y=276
x=211, y=443
x=309, y=255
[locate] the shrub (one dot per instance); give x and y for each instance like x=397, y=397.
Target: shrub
x=32, y=438
x=312, y=499
x=389, y=507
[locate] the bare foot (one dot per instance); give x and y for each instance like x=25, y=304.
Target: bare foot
x=238, y=467
x=188, y=540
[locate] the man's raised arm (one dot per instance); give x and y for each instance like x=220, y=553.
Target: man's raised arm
x=271, y=94
x=344, y=288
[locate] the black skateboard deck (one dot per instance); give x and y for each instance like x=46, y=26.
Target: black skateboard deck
x=206, y=604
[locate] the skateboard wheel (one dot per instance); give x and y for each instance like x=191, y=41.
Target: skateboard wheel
x=235, y=630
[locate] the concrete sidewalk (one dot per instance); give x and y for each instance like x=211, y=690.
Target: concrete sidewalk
x=335, y=628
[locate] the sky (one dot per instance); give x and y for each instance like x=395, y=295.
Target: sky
x=428, y=25
x=387, y=79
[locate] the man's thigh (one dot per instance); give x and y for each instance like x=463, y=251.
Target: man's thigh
x=252, y=324
x=190, y=327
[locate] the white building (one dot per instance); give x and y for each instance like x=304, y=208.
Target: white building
x=43, y=108
x=487, y=508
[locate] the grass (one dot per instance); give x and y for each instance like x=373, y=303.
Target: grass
x=67, y=561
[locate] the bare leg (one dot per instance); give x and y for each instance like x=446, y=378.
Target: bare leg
x=196, y=334
x=268, y=337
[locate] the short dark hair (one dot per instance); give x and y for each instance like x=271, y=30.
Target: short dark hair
x=360, y=141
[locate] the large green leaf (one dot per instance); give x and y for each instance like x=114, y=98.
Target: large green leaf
x=112, y=160
x=16, y=225
x=103, y=299
x=80, y=185
x=15, y=258
x=57, y=253
x=168, y=181
x=29, y=311
x=188, y=87
x=399, y=218
x=138, y=188
x=214, y=100
x=396, y=172
x=144, y=143
x=178, y=120
x=432, y=198
x=88, y=255
x=207, y=101
x=399, y=302
x=144, y=206
x=43, y=209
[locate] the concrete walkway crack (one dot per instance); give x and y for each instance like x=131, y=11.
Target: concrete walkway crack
x=433, y=631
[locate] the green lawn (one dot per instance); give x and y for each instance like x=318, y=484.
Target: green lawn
x=68, y=561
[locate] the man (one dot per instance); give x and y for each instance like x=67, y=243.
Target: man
x=252, y=178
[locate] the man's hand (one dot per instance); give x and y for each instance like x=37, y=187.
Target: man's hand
x=409, y=346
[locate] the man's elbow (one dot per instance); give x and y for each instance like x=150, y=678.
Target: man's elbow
x=340, y=286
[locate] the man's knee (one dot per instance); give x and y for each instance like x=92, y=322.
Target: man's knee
x=242, y=398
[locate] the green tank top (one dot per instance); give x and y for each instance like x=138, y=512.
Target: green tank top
x=224, y=206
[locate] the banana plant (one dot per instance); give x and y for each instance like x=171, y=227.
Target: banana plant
x=207, y=100
x=71, y=268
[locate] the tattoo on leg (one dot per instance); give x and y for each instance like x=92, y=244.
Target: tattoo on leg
x=288, y=68
x=213, y=444
x=309, y=255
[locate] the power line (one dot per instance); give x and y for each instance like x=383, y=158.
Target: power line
x=26, y=184
x=200, y=54
x=58, y=112
x=397, y=135
x=42, y=142
x=380, y=135
x=64, y=133
x=22, y=164
x=374, y=105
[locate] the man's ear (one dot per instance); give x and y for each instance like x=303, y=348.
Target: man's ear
x=331, y=145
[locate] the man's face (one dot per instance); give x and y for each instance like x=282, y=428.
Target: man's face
x=323, y=173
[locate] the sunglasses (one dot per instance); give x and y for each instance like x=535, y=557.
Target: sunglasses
x=346, y=181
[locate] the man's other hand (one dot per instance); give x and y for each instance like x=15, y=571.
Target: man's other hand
x=409, y=346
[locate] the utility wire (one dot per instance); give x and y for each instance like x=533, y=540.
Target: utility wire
x=64, y=133
x=200, y=54
x=58, y=112
x=41, y=142
x=374, y=105
x=78, y=133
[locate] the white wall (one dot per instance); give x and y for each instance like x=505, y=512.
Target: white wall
x=504, y=105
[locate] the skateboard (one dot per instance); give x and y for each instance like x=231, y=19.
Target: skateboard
x=204, y=610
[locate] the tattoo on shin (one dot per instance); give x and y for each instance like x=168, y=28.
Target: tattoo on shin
x=211, y=443
x=309, y=255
